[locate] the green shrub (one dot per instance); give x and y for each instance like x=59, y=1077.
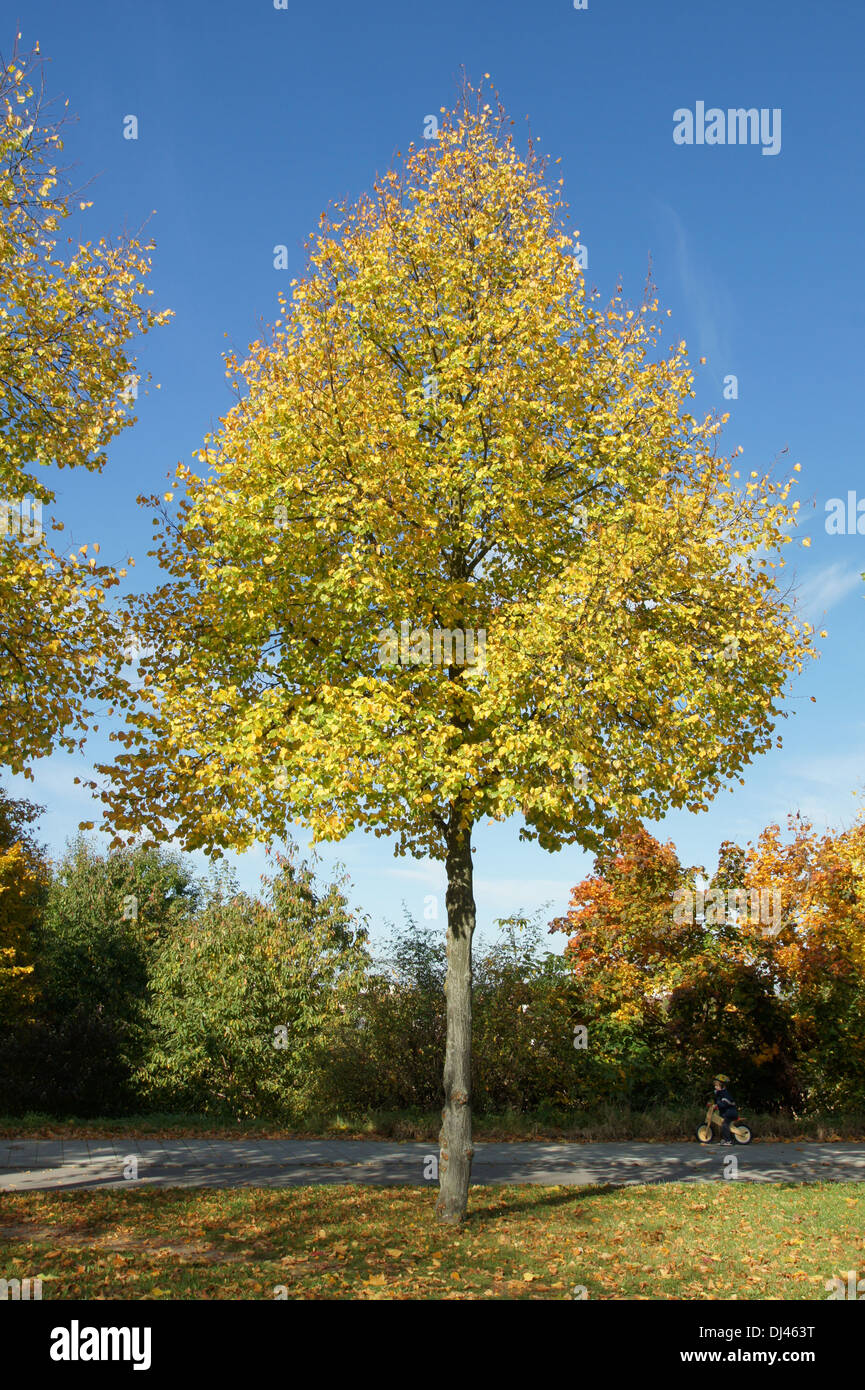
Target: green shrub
x=104, y=918
x=245, y=998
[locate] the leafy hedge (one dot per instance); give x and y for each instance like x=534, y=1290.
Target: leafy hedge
x=200, y=998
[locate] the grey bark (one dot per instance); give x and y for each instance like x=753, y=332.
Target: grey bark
x=455, y=1140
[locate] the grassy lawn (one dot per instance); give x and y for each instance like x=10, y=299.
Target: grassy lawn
x=606, y=1125
x=677, y=1241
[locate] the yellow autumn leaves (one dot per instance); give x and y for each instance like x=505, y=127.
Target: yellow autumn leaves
x=439, y=396
x=65, y=323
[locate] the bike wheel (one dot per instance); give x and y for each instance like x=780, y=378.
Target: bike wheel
x=741, y=1133
x=704, y=1134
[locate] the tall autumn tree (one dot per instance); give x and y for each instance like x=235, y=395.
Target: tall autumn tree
x=66, y=321
x=445, y=429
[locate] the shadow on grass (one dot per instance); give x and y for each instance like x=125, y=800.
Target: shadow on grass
x=552, y=1198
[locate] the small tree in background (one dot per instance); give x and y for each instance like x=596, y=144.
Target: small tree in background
x=623, y=945
x=674, y=987
x=105, y=916
x=818, y=954
x=246, y=996
x=726, y=1007
x=523, y=1056
x=24, y=878
x=388, y=1049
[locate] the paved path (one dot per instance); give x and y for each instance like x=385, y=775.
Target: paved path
x=41, y=1163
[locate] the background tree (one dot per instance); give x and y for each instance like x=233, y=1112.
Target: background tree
x=246, y=998
x=24, y=878
x=627, y=955
x=523, y=1056
x=675, y=987
x=105, y=916
x=819, y=952
x=66, y=319
x=445, y=429
x=726, y=1010
x=389, y=1046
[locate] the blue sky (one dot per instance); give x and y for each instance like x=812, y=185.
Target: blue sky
x=252, y=119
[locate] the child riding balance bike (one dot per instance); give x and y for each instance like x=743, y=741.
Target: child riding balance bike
x=722, y=1114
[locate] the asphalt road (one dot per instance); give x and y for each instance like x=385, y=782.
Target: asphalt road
x=28, y=1165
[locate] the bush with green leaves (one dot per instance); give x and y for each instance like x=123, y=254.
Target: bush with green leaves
x=389, y=1052
x=388, y=1048
x=246, y=997
x=105, y=916
x=524, y=1020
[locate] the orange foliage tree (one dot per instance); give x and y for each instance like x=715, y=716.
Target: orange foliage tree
x=677, y=981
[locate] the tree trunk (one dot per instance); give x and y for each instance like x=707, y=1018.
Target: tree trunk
x=455, y=1140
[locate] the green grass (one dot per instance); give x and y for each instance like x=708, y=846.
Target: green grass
x=725, y=1240
x=606, y=1124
